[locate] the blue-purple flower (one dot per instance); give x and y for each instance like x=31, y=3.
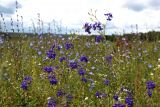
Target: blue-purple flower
x=98, y=39
x=73, y=65
x=51, y=102
x=150, y=85
x=61, y=59
x=129, y=101
x=83, y=79
x=83, y=59
x=109, y=16
x=51, y=54
x=69, y=46
x=88, y=27
x=118, y=105
x=106, y=82
x=48, y=69
x=81, y=72
x=25, y=83
x=115, y=97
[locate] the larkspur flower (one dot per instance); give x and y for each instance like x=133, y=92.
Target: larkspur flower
x=83, y=79
x=73, y=65
x=87, y=28
x=115, y=97
x=99, y=26
x=51, y=102
x=118, y=105
x=25, y=83
x=98, y=39
x=150, y=85
x=149, y=92
x=68, y=46
x=109, y=16
x=53, y=81
x=129, y=101
x=60, y=93
x=51, y=54
x=69, y=97
x=61, y=59
x=106, y=82
x=109, y=59
x=83, y=59
x=81, y=72
x=48, y=69
x=98, y=94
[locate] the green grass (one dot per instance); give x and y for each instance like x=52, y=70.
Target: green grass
x=18, y=59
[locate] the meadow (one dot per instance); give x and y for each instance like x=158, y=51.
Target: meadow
x=79, y=71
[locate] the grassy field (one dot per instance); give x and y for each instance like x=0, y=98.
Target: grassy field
x=79, y=72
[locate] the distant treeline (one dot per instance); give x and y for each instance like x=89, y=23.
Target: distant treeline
x=149, y=36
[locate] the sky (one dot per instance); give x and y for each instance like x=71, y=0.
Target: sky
x=71, y=15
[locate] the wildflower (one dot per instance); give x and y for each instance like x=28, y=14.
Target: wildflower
x=149, y=93
x=81, y=72
x=68, y=46
x=61, y=59
x=129, y=101
x=26, y=81
x=83, y=59
x=48, y=69
x=73, y=65
x=84, y=79
x=150, y=85
x=109, y=16
x=98, y=94
x=98, y=39
x=109, y=59
x=99, y=26
x=106, y=82
x=51, y=102
x=52, y=79
x=87, y=28
x=51, y=54
x=60, y=93
x=115, y=97
x=24, y=85
x=118, y=105
x=69, y=97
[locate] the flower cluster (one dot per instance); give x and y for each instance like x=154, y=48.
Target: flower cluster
x=83, y=59
x=95, y=26
x=150, y=85
x=26, y=81
x=51, y=102
x=51, y=54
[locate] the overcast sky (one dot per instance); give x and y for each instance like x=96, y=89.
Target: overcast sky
x=74, y=13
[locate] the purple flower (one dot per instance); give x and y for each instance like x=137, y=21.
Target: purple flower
x=60, y=93
x=68, y=46
x=98, y=39
x=53, y=81
x=109, y=16
x=48, y=69
x=149, y=93
x=69, y=97
x=99, y=26
x=81, y=72
x=73, y=65
x=51, y=102
x=106, y=82
x=84, y=79
x=61, y=59
x=83, y=59
x=115, y=97
x=24, y=85
x=87, y=28
x=26, y=81
x=109, y=59
x=118, y=105
x=98, y=94
x=129, y=101
x=150, y=85
x=51, y=54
